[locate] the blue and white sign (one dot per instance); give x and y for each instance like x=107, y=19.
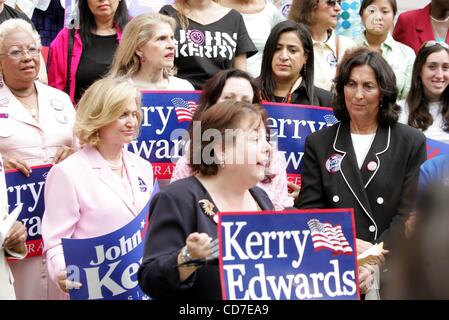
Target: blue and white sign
x=29, y=191
x=290, y=124
x=166, y=118
x=107, y=266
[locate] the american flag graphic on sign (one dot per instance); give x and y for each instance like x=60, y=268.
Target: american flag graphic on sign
x=327, y=236
x=330, y=119
x=184, y=109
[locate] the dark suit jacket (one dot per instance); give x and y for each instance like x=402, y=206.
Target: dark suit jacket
x=174, y=214
x=383, y=198
x=413, y=28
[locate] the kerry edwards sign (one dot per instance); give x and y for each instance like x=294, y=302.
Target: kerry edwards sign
x=166, y=118
x=289, y=125
x=107, y=266
x=29, y=191
x=288, y=255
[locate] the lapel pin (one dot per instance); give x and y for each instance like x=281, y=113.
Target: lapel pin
x=372, y=165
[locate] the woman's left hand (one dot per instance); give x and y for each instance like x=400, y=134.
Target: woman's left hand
x=62, y=153
x=15, y=240
x=293, y=190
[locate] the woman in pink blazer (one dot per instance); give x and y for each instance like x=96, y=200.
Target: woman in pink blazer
x=103, y=186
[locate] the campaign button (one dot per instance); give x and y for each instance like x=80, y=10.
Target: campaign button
x=142, y=185
x=333, y=163
x=372, y=228
x=335, y=198
x=62, y=118
x=380, y=200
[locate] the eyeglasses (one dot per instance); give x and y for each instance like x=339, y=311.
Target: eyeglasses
x=16, y=53
x=333, y=3
x=432, y=43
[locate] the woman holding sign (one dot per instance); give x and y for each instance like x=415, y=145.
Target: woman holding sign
x=12, y=243
x=287, y=67
x=183, y=216
x=36, y=123
x=146, y=54
x=368, y=161
x=105, y=186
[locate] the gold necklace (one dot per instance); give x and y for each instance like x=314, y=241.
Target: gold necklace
x=31, y=109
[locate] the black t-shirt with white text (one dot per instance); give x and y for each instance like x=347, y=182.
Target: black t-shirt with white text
x=203, y=50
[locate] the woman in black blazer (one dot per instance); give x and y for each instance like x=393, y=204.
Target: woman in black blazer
x=183, y=216
x=368, y=161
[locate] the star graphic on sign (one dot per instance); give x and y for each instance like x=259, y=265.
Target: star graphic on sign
x=142, y=224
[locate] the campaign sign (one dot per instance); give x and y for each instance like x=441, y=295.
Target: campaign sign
x=30, y=192
x=166, y=118
x=435, y=148
x=290, y=124
x=107, y=265
x=288, y=255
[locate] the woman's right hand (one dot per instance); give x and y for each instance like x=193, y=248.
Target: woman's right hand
x=198, y=245
x=13, y=163
x=65, y=284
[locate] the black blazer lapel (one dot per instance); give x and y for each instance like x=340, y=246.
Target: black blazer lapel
x=372, y=161
x=349, y=168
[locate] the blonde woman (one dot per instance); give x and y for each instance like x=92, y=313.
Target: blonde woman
x=105, y=186
x=147, y=52
x=209, y=38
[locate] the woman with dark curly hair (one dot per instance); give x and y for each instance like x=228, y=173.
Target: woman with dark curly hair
x=368, y=161
x=427, y=104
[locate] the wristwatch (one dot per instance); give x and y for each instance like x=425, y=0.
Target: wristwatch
x=185, y=254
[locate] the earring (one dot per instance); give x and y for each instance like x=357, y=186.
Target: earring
x=2, y=84
x=304, y=70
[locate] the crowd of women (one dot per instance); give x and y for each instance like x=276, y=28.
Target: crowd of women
x=389, y=92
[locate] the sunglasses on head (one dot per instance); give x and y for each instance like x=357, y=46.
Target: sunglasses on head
x=434, y=43
x=333, y=3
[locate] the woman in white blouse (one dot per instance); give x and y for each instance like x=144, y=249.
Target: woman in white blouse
x=427, y=104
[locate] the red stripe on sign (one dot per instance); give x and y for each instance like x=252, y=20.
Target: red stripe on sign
x=34, y=249
x=163, y=170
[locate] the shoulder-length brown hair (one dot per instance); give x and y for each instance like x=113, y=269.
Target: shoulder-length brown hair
x=386, y=80
x=224, y=115
x=301, y=11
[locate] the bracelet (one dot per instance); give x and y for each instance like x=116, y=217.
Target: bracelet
x=185, y=254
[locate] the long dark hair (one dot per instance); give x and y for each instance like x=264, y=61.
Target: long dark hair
x=266, y=79
x=419, y=116
x=87, y=20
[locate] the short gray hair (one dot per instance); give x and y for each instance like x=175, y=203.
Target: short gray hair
x=16, y=25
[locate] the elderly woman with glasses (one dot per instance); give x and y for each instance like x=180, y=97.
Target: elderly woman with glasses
x=36, y=126
x=321, y=16
x=427, y=104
